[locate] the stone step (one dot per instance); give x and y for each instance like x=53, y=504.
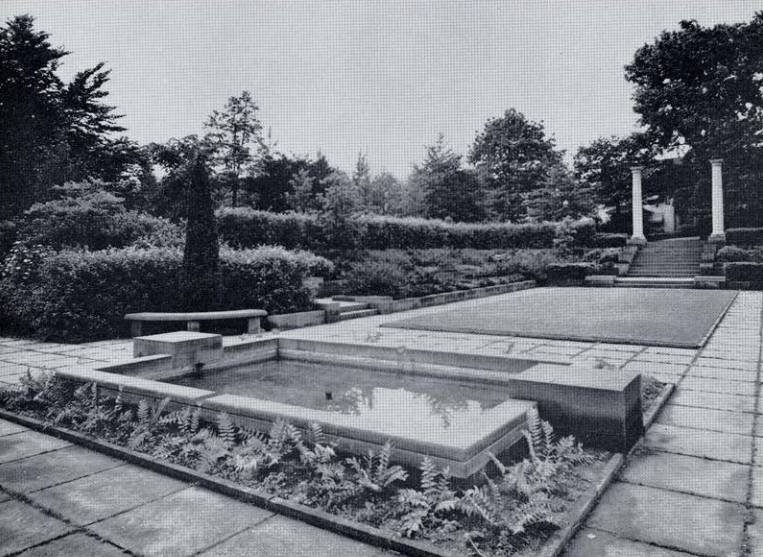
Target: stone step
x=654, y=282
x=662, y=274
x=348, y=307
x=357, y=314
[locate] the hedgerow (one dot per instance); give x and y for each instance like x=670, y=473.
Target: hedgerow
x=248, y=228
x=75, y=295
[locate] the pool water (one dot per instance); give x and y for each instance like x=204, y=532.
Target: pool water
x=399, y=402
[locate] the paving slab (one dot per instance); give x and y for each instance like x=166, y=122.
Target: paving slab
x=702, y=399
x=651, y=368
x=731, y=356
x=656, y=357
x=22, y=526
x=755, y=533
x=49, y=469
x=282, y=536
x=697, y=442
x=590, y=542
x=726, y=364
x=718, y=386
x=27, y=443
x=105, y=494
x=676, y=520
x=757, y=487
x=181, y=524
x=724, y=373
x=9, y=428
x=77, y=544
x=689, y=474
x=705, y=418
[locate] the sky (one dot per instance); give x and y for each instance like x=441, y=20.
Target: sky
x=378, y=76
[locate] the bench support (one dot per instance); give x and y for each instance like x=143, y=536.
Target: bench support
x=136, y=328
x=194, y=326
x=253, y=325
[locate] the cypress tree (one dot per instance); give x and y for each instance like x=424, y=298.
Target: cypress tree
x=201, y=268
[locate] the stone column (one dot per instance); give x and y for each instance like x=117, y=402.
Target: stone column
x=638, y=237
x=719, y=230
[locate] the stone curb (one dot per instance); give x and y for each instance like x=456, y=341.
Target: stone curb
x=651, y=415
x=368, y=534
x=558, y=541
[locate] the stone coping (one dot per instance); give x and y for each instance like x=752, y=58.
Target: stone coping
x=137, y=385
x=505, y=364
x=579, y=375
x=460, y=445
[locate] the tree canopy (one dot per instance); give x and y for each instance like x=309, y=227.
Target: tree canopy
x=701, y=89
x=449, y=190
x=514, y=157
x=52, y=132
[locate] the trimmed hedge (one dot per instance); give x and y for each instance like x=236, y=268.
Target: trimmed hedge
x=80, y=295
x=745, y=236
x=744, y=272
x=245, y=228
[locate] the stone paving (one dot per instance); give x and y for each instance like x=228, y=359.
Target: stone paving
x=695, y=486
x=60, y=499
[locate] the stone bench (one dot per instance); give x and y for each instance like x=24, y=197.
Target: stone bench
x=193, y=319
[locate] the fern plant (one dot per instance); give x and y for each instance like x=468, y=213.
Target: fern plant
x=148, y=416
x=527, y=494
x=425, y=506
x=374, y=472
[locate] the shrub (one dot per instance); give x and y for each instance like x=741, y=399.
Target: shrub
x=7, y=237
x=80, y=295
x=248, y=228
x=745, y=236
x=744, y=272
x=732, y=254
x=609, y=240
x=97, y=220
x=379, y=278
x=569, y=274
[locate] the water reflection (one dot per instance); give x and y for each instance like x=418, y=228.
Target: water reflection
x=398, y=403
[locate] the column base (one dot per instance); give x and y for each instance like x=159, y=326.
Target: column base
x=636, y=241
x=717, y=238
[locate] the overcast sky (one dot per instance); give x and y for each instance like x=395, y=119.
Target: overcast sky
x=383, y=77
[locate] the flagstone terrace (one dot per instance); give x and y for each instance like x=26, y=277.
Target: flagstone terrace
x=694, y=487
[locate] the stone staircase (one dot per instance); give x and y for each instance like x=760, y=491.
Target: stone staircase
x=343, y=310
x=672, y=263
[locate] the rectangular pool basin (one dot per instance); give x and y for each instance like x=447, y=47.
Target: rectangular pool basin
x=455, y=423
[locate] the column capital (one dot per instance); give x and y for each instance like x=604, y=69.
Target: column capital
x=716, y=162
x=635, y=169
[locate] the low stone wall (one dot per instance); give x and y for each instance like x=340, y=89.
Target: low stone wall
x=394, y=306
x=297, y=320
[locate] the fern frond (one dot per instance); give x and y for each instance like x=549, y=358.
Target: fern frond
x=144, y=411
x=193, y=426
x=226, y=428
x=429, y=476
